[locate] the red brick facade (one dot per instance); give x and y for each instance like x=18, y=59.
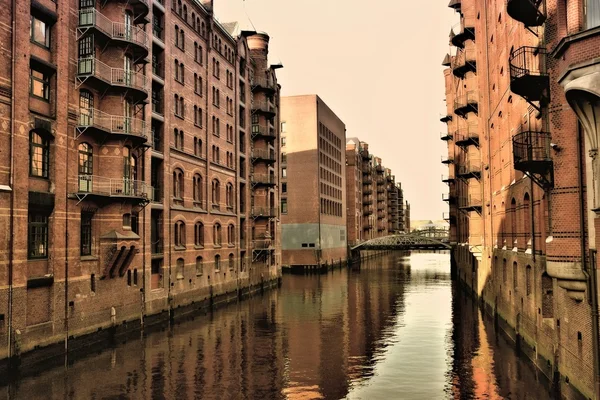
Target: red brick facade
x=140, y=171
x=520, y=177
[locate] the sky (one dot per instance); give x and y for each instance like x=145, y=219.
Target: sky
x=377, y=65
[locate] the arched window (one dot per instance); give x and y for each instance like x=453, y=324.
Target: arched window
x=526, y=220
x=182, y=39
x=176, y=70
x=198, y=149
x=194, y=21
x=180, y=266
x=176, y=36
x=515, y=276
x=231, y=234
x=39, y=155
x=231, y=262
x=86, y=106
x=179, y=8
x=528, y=283
x=229, y=195
x=198, y=189
x=217, y=263
x=504, y=271
x=184, y=16
x=202, y=29
x=178, y=184
x=216, y=193
x=182, y=73
x=199, y=234
x=176, y=103
x=217, y=239
x=86, y=165
x=179, y=234
x=513, y=221
x=199, y=266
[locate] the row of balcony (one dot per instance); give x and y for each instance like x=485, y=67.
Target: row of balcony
x=114, y=187
x=94, y=71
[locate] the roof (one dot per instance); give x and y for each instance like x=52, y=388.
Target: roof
x=231, y=27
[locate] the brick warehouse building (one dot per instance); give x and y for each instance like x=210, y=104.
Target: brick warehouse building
x=139, y=173
x=522, y=87
x=313, y=182
x=374, y=202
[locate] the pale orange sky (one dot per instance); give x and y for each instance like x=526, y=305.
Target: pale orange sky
x=377, y=65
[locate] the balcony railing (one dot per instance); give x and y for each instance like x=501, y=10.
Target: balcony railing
x=447, y=160
x=132, y=34
x=92, y=67
x=445, y=136
x=447, y=178
x=528, y=75
x=262, y=106
x=531, y=155
x=263, y=179
x=264, y=155
x=262, y=83
x=367, y=191
x=263, y=131
x=367, y=201
x=113, y=124
x=266, y=212
x=461, y=33
x=262, y=244
x=471, y=168
x=466, y=103
x=448, y=216
x=464, y=61
x=467, y=135
x=113, y=187
x=529, y=12
x=367, y=210
x=470, y=203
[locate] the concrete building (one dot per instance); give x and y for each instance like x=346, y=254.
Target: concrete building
x=313, y=182
x=139, y=173
x=374, y=208
x=522, y=91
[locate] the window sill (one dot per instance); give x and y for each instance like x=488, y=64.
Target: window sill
x=44, y=258
x=179, y=116
x=218, y=246
x=199, y=247
x=178, y=81
x=197, y=125
x=45, y=100
x=179, y=248
x=89, y=258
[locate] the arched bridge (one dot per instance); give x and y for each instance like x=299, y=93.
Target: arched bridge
x=407, y=241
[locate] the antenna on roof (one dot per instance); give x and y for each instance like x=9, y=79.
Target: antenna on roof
x=245, y=12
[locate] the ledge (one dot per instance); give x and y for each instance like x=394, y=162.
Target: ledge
x=566, y=42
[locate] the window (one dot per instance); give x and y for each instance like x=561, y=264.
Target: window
x=592, y=13
x=198, y=84
x=198, y=189
x=179, y=234
x=231, y=262
x=178, y=184
x=198, y=116
x=216, y=193
x=39, y=84
x=283, y=157
x=39, y=153
x=231, y=234
x=180, y=266
x=40, y=32
x=86, y=46
x=283, y=127
x=198, y=147
x=515, y=276
x=283, y=141
x=199, y=234
x=217, y=234
x=528, y=280
x=284, y=187
x=284, y=172
x=284, y=206
x=229, y=195
x=86, y=234
x=37, y=235
x=217, y=263
x=199, y=266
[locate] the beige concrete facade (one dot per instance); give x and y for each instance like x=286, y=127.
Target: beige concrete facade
x=313, y=216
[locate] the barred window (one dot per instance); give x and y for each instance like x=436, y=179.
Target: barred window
x=39, y=152
x=86, y=233
x=38, y=235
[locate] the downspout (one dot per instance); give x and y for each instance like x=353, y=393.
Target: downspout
x=11, y=181
x=532, y=219
x=487, y=134
x=320, y=249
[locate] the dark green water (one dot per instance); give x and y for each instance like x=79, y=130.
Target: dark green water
x=395, y=329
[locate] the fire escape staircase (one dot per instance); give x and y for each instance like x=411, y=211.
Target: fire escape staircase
x=531, y=155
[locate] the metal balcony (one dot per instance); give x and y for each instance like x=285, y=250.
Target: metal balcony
x=134, y=37
x=455, y=4
x=445, y=136
x=470, y=169
x=261, y=155
x=448, y=198
x=367, y=191
x=263, y=131
x=449, y=217
x=380, y=189
x=263, y=180
x=467, y=136
x=263, y=107
x=465, y=61
x=94, y=72
x=367, y=201
x=448, y=179
x=121, y=188
x=365, y=154
x=96, y=121
x=263, y=212
x=262, y=244
x=367, y=210
x=531, y=155
x=367, y=170
x=367, y=181
x=529, y=12
x=263, y=84
x=379, y=168
x=466, y=103
x=447, y=160
x=470, y=203
x=459, y=38
x=446, y=118
x=528, y=76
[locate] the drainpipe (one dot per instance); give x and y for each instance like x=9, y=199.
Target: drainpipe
x=11, y=181
x=532, y=219
x=320, y=249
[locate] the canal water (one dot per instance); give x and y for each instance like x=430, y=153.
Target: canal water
x=397, y=328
